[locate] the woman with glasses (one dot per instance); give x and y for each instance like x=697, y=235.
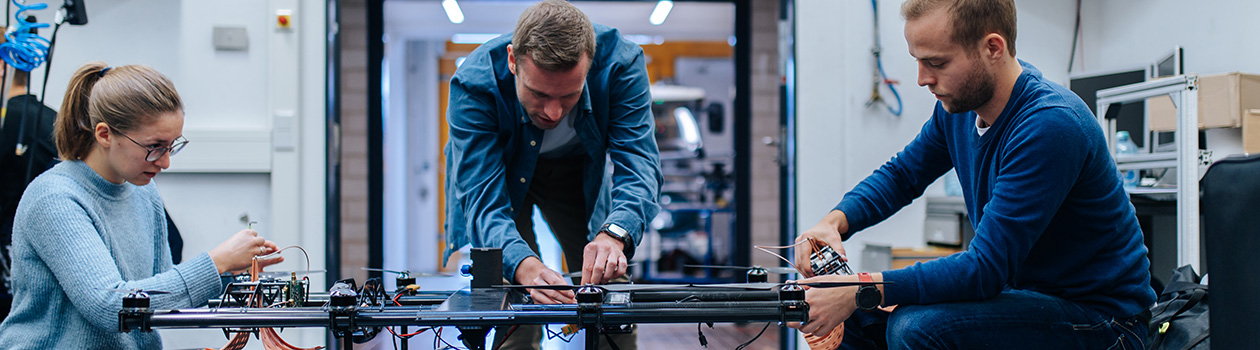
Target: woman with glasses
x=94, y=224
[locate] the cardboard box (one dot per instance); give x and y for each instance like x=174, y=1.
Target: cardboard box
x=1223, y=99
x=1251, y=131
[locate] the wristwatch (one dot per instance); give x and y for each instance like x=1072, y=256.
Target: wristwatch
x=621, y=234
x=868, y=296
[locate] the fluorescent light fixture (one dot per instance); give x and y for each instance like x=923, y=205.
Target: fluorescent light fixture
x=452, y=11
x=639, y=39
x=658, y=14
x=473, y=38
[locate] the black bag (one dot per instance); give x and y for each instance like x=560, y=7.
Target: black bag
x=1179, y=321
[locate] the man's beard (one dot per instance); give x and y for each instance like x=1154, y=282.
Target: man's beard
x=976, y=91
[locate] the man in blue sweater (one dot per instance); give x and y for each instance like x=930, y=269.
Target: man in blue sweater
x=1057, y=261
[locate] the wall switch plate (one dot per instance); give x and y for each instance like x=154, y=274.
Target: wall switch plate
x=230, y=38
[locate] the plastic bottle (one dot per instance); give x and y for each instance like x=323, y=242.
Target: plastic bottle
x=952, y=186
x=1126, y=147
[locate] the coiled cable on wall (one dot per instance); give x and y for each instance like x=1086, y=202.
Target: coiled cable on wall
x=23, y=49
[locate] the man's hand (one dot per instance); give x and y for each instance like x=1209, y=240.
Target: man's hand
x=603, y=259
x=825, y=233
x=531, y=271
x=828, y=307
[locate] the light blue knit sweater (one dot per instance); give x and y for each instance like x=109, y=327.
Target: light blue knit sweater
x=74, y=233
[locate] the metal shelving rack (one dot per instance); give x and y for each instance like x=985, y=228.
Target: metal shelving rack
x=1183, y=89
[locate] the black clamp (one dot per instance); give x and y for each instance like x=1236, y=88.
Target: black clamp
x=792, y=305
x=135, y=312
x=342, y=311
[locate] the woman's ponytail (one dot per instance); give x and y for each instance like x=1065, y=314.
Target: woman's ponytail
x=74, y=127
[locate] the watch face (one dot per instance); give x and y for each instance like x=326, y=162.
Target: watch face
x=868, y=297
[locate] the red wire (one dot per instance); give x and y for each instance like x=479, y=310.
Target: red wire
x=405, y=336
x=391, y=330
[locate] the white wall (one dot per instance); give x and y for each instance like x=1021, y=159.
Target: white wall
x=113, y=36
x=237, y=161
x=840, y=141
x=1216, y=37
x=1131, y=33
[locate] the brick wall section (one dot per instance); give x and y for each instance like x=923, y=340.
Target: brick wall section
x=354, y=157
x=765, y=122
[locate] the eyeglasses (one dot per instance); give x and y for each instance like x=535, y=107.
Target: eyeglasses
x=156, y=152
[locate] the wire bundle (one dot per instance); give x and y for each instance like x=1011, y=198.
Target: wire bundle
x=23, y=49
x=270, y=338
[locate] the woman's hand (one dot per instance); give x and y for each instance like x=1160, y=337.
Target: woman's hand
x=237, y=252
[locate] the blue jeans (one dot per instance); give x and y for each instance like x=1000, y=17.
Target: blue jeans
x=1015, y=319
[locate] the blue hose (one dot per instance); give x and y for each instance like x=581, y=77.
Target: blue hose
x=23, y=49
x=879, y=63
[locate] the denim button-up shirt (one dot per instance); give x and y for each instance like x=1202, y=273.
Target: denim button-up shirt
x=491, y=155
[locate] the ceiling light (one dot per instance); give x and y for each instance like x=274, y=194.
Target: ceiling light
x=658, y=14
x=452, y=11
x=639, y=39
x=473, y=38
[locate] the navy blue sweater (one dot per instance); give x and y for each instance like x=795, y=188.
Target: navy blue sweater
x=1043, y=194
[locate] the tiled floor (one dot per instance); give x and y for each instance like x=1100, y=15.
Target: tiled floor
x=651, y=337
x=724, y=336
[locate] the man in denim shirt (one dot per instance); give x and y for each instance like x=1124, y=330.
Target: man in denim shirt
x=535, y=118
